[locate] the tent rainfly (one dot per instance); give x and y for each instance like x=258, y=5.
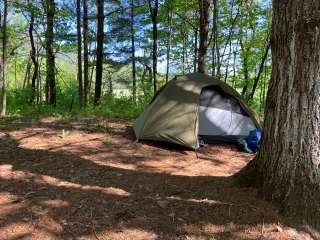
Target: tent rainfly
x=195, y=106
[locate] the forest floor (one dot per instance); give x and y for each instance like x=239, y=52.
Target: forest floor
x=86, y=179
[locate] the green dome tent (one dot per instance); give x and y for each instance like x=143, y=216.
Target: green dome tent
x=195, y=105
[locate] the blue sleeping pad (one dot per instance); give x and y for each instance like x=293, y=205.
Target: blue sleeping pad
x=253, y=140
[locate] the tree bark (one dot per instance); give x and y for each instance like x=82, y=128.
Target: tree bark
x=79, y=43
x=91, y=74
x=287, y=168
x=33, y=53
x=195, y=57
x=99, y=60
x=154, y=14
x=214, y=37
x=234, y=67
x=39, y=83
x=183, y=33
x=263, y=104
x=216, y=41
x=133, y=54
x=203, y=45
x=110, y=86
x=4, y=59
x=15, y=74
x=85, y=54
x=227, y=63
x=26, y=78
x=169, y=40
x=50, y=58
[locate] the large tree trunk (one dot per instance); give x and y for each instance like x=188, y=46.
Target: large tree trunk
x=79, y=41
x=4, y=59
x=50, y=77
x=154, y=13
x=85, y=54
x=133, y=54
x=99, y=61
x=287, y=168
x=33, y=53
x=203, y=45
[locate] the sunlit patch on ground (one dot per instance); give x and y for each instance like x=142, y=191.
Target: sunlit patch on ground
x=87, y=179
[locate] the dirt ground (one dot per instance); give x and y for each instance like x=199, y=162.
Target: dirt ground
x=87, y=179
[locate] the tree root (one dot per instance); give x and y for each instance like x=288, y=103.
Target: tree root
x=247, y=177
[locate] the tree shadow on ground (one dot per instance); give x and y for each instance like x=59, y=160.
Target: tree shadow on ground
x=65, y=196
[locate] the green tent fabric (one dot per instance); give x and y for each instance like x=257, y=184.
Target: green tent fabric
x=172, y=115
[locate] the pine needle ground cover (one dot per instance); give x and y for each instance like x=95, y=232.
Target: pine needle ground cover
x=86, y=179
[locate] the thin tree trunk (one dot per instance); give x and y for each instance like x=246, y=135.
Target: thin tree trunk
x=47, y=90
x=261, y=92
x=39, y=88
x=195, y=50
x=27, y=73
x=4, y=59
x=286, y=169
x=216, y=41
x=227, y=64
x=229, y=37
x=245, y=70
x=133, y=56
x=264, y=87
x=154, y=13
x=183, y=51
x=33, y=53
x=85, y=54
x=169, y=40
x=91, y=76
x=256, y=81
x=147, y=70
x=15, y=74
x=110, y=85
x=203, y=46
x=100, y=41
x=214, y=36
x=234, y=68
x=50, y=76
x=79, y=42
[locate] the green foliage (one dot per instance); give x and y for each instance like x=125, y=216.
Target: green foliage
x=110, y=107
x=243, y=32
x=120, y=107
